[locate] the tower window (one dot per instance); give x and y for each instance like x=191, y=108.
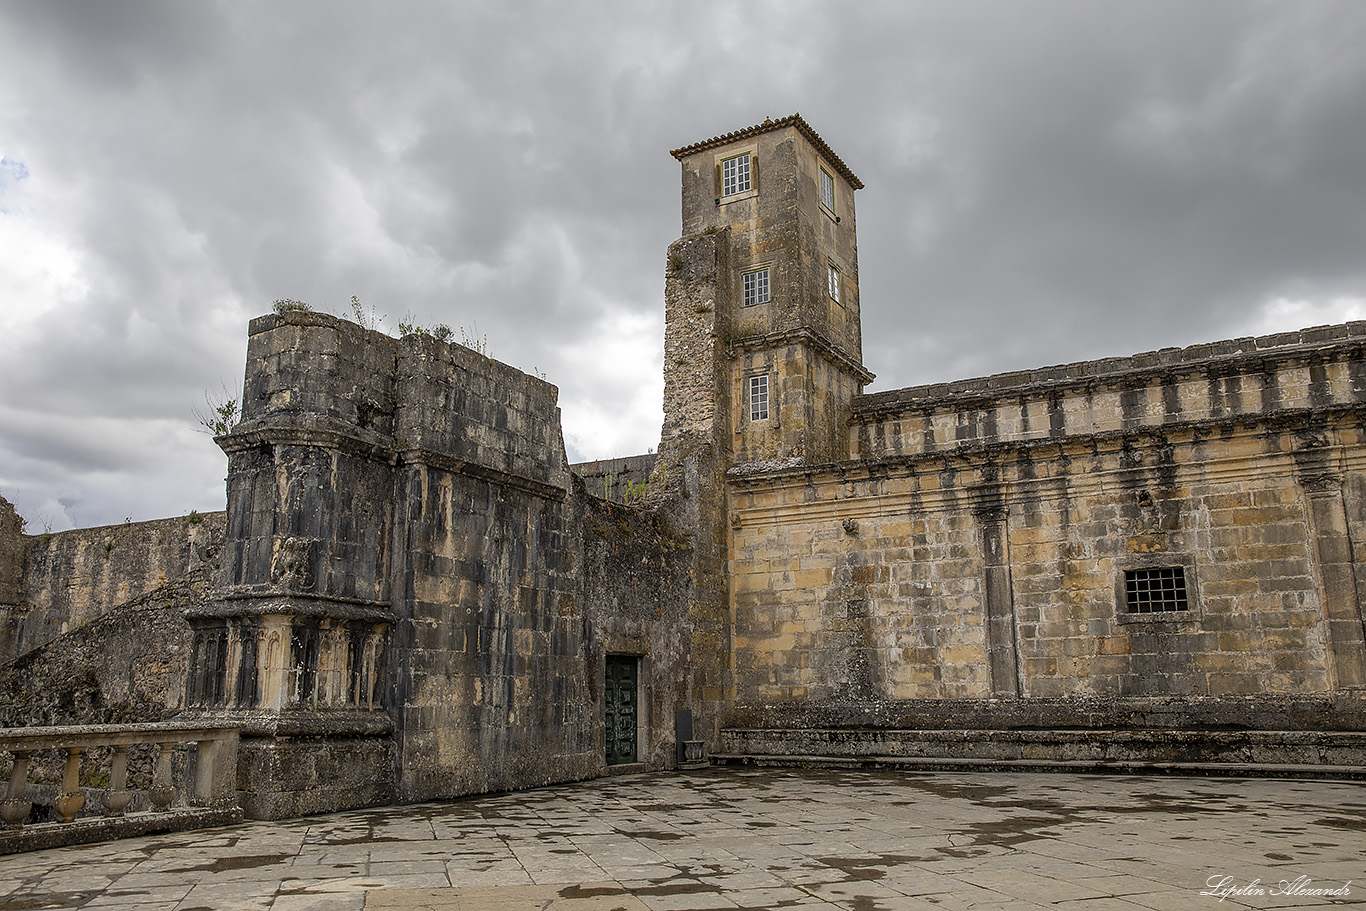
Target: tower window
x=735, y=175
x=1158, y=590
x=835, y=284
x=755, y=287
x=827, y=190
x=758, y=398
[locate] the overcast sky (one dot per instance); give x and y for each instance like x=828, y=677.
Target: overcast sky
x=1046, y=182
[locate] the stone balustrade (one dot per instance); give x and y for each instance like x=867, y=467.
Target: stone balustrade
x=210, y=797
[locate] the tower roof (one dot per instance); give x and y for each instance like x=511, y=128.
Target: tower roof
x=794, y=120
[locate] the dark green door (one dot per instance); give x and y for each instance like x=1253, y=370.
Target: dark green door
x=621, y=709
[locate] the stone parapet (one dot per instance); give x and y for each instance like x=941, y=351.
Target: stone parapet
x=1242, y=379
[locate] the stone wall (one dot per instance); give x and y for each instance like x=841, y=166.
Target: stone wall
x=11, y=556
x=983, y=552
x=695, y=449
x=636, y=598
x=618, y=480
x=415, y=579
x=1221, y=381
x=72, y=578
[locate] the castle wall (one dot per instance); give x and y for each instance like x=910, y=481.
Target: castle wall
x=979, y=558
x=1250, y=377
x=618, y=480
x=406, y=580
x=72, y=578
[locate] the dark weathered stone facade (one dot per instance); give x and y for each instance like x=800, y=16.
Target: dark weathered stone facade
x=414, y=581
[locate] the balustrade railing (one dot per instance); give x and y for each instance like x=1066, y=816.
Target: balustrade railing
x=215, y=766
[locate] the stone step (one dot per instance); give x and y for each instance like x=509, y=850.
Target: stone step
x=1334, y=754
x=1317, y=771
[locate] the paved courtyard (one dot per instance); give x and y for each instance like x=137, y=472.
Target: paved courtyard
x=723, y=838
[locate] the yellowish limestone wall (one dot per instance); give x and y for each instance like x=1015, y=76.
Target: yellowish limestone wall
x=982, y=552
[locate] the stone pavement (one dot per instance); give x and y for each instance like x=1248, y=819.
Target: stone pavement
x=759, y=839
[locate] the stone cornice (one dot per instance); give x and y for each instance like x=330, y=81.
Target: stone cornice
x=802, y=336
x=330, y=433
x=309, y=430
x=257, y=603
x=542, y=489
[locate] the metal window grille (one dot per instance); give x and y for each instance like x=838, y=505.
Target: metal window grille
x=758, y=398
x=827, y=191
x=755, y=287
x=735, y=175
x=835, y=284
x=1152, y=591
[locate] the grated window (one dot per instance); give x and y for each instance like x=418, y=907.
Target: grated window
x=1152, y=591
x=835, y=284
x=735, y=175
x=755, y=287
x=827, y=190
x=758, y=398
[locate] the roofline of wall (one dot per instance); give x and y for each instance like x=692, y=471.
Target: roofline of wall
x=1333, y=342
x=1289, y=420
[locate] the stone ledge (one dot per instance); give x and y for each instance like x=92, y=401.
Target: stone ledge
x=1101, y=747
x=88, y=831
x=1073, y=766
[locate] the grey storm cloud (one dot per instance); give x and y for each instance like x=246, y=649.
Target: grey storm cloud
x=1046, y=182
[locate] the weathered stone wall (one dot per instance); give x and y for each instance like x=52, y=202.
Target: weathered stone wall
x=618, y=480
x=73, y=577
x=636, y=602
x=413, y=496
x=125, y=666
x=989, y=561
x=11, y=555
x=695, y=449
x=1220, y=381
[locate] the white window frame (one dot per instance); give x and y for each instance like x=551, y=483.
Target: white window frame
x=735, y=175
x=755, y=287
x=834, y=281
x=827, y=190
x=758, y=397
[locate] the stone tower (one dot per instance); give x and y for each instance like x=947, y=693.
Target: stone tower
x=763, y=348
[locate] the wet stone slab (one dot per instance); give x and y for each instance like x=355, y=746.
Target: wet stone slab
x=756, y=839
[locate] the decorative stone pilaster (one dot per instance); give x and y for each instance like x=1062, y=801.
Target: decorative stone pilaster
x=1317, y=472
x=1002, y=654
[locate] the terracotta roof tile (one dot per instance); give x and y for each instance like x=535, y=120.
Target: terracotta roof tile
x=768, y=126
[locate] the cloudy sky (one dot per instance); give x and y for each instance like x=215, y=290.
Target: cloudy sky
x=1046, y=182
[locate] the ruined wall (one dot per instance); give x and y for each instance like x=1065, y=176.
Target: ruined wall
x=618, y=480
x=128, y=664
x=695, y=450
x=984, y=553
x=73, y=577
x=11, y=555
